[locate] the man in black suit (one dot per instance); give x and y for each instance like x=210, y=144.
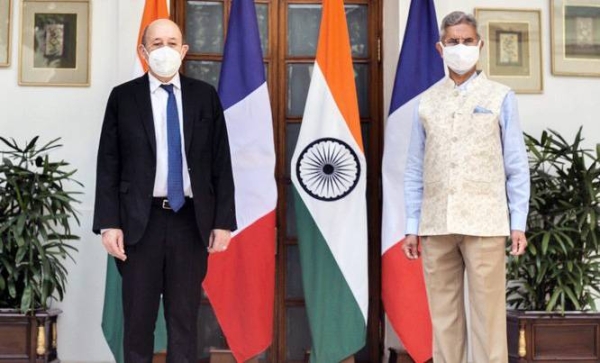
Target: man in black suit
x=164, y=194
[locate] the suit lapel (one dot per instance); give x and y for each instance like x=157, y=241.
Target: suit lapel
x=189, y=106
x=142, y=97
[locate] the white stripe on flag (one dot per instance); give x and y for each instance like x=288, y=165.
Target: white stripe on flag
x=249, y=124
x=397, y=138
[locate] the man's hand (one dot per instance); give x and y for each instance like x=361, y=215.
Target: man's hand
x=519, y=242
x=112, y=239
x=219, y=240
x=411, y=247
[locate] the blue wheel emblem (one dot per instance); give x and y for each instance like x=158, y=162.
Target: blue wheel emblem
x=328, y=169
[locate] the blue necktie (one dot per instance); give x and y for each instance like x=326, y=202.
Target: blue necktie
x=175, y=193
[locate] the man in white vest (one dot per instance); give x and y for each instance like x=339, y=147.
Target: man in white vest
x=466, y=189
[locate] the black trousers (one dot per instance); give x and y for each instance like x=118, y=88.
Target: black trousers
x=171, y=260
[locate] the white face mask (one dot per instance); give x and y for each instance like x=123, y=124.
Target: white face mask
x=461, y=58
x=164, y=61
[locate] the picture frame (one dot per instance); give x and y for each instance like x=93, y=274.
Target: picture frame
x=512, y=52
x=575, y=26
x=54, y=47
x=5, y=25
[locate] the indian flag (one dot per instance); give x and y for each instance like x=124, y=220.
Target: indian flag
x=329, y=179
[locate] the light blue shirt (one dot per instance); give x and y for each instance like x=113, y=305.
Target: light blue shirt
x=516, y=166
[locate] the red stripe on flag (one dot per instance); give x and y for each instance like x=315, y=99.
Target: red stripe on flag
x=240, y=284
x=405, y=301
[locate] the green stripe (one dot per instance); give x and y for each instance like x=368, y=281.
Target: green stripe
x=337, y=325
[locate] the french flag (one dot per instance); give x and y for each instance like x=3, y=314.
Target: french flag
x=403, y=285
x=240, y=282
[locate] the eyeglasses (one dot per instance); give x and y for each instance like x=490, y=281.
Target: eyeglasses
x=450, y=42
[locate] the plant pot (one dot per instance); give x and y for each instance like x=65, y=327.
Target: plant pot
x=28, y=338
x=543, y=337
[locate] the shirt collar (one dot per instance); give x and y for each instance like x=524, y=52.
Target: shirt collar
x=155, y=83
x=465, y=84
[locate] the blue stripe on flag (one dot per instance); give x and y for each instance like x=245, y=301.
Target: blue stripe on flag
x=419, y=65
x=243, y=70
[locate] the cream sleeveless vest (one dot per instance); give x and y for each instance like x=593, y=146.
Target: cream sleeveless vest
x=464, y=183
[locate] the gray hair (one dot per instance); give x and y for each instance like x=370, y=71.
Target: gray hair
x=455, y=18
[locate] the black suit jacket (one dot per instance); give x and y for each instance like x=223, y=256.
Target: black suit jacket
x=127, y=159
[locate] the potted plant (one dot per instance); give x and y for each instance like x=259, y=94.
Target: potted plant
x=36, y=213
x=559, y=276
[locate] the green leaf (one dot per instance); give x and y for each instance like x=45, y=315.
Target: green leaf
x=26, y=299
x=12, y=289
x=553, y=299
x=572, y=297
x=21, y=224
x=31, y=145
x=21, y=252
x=532, y=249
x=545, y=242
x=20, y=240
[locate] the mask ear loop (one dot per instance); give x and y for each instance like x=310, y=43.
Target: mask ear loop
x=147, y=58
x=444, y=58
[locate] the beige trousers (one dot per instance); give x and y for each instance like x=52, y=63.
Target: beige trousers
x=445, y=259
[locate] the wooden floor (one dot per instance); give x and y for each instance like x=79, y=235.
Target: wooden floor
x=224, y=356
x=216, y=356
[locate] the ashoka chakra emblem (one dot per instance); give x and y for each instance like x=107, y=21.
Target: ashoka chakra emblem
x=328, y=169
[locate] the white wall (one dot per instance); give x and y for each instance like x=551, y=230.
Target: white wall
x=75, y=114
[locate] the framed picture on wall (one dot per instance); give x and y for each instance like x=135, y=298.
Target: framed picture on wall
x=5, y=33
x=55, y=43
x=512, y=52
x=575, y=37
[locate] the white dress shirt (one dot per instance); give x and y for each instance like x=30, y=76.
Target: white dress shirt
x=159, y=97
